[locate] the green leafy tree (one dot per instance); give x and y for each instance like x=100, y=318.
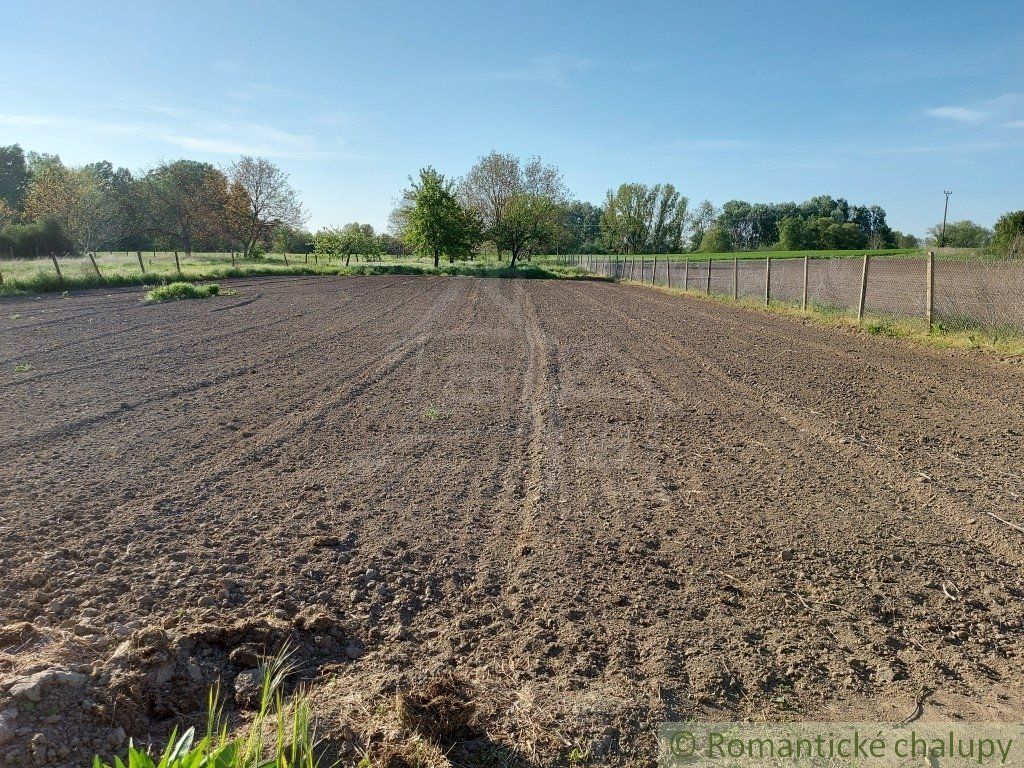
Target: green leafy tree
x=637, y=218
x=1008, y=234
x=701, y=221
x=796, y=235
x=353, y=239
x=80, y=200
x=718, y=239
x=515, y=203
x=185, y=201
x=288, y=239
x=14, y=177
x=960, y=234
x=435, y=222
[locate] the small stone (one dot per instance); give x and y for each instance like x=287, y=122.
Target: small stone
x=248, y=688
x=787, y=554
x=7, y=726
x=353, y=651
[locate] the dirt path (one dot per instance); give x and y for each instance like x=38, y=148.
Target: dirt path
x=603, y=505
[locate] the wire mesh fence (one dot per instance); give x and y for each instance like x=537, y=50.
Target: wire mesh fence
x=956, y=292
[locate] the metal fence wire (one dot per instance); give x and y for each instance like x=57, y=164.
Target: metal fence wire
x=954, y=291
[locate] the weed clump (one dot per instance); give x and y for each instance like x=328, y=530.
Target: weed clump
x=180, y=290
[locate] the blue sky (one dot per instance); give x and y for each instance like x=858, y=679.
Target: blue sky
x=887, y=102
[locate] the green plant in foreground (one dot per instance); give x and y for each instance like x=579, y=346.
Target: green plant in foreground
x=22, y=368
x=181, y=290
x=291, y=742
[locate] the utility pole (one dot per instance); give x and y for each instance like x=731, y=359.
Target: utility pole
x=942, y=236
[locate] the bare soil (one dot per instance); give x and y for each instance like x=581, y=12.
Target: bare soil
x=567, y=511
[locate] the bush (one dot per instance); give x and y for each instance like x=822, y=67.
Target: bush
x=1009, y=234
x=38, y=238
x=178, y=291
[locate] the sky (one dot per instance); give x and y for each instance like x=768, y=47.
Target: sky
x=878, y=102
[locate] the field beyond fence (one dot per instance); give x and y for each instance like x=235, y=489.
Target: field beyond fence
x=954, y=293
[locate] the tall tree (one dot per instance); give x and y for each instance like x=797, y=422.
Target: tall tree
x=516, y=203
x=703, y=219
x=640, y=219
x=435, y=222
x=14, y=177
x=80, y=200
x=270, y=199
x=184, y=200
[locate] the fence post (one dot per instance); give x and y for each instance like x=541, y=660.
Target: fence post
x=92, y=258
x=654, y=271
x=686, y=274
x=929, y=296
x=803, y=303
x=668, y=271
x=768, y=281
x=141, y=265
x=53, y=256
x=863, y=290
x=177, y=264
x=709, y=276
x=735, y=278
x=286, y=259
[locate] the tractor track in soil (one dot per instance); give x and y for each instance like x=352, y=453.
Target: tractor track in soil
x=606, y=505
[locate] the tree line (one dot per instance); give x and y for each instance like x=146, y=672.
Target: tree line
x=49, y=207
x=504, y=204
x=522, y=207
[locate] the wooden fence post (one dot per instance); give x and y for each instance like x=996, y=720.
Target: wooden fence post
x=286, y=259
x=709, y=276
x=53, y=256
x=803, y=302
x=768, y=281
x=654, y=271
x=686, y=275
x=92, y=258
x=735, y=278
x=668, y=271
x=141, y=265
x=863, y=290
x=929, y=296
x=177, y=264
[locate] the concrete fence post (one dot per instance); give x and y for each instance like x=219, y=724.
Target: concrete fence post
x=686, y=274
x=803, y=302
x=709, y=277
x=863, y=290
x=668, y=271
x=929, y=291
x=768, y=281
x=735, y=278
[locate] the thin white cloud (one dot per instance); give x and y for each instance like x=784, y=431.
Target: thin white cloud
x=959, y=114
x=552, y=69
x=1014, y=124
x=213, y=137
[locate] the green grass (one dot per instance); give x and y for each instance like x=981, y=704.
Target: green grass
x=280, y=735
x=38, y=275
x=182, y=290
